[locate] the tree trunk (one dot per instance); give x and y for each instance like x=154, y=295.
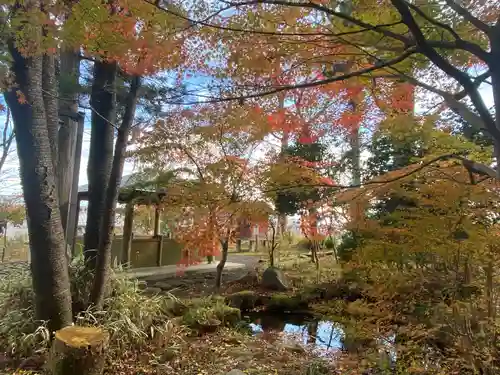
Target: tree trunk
x=495, y=86
x=79, y=351
x=282, y=219
x=48, y=259
x=222, y=263
x=51, y=102
x=103, y=265
x=67, y=136
x=103, y=102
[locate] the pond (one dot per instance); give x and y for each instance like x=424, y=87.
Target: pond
x=322, y=336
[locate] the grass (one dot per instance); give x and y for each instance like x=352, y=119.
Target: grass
x=147, y=338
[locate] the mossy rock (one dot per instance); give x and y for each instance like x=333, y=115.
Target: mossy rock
x=286, y=303
x=229, y=316
x=245, y=300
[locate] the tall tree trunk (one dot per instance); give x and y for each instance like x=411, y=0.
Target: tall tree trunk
x=495, y=85
x=48, y=261
x=103, y=265
x=51, y=102
x=222, y=263
x=70, y=64
x=282, y=220
x=103, y=102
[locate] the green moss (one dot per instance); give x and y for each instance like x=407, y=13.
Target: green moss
x=229, y=316
x=207, y=310
x=285, y=302
x=245, y=300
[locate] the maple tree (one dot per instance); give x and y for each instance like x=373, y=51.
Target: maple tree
x=218, y=180
x=322, y=43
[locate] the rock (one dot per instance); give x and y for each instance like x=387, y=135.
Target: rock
x=274, y=279
x=293, y=347
x=245, y=300
x=286, y=303
x=235, y=372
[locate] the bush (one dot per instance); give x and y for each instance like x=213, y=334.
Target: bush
x=20, y=334
x=329, y=243
x=211, y=308
x=132, y=318
x=304, y=244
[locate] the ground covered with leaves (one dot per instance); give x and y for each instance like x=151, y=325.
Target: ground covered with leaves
x=153, y=334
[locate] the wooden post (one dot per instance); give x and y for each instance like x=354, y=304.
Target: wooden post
x=74, y=202
x=127, y=233
x=74, y=225
x=160, y=250
x=256, y=243
x=238, y=245
x=157, y=222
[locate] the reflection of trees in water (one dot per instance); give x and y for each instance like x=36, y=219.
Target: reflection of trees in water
x=272, y=323
x=312, y=331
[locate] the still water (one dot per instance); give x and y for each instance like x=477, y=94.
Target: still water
x=323, y=335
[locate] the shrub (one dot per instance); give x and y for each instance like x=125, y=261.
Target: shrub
x=132, y=318
x=211, y=308
x=329, y=243
x=20, y=333
x=304, y=244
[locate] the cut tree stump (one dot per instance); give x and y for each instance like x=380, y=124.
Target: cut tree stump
x=78, y=351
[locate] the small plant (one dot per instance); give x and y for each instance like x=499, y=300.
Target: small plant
x=20, y=334
x=132, y=318
x=329, y=243
x=318, y=367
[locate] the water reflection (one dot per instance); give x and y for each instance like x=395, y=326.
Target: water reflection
x=322, y=335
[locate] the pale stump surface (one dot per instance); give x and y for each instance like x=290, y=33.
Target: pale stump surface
x=79, y=351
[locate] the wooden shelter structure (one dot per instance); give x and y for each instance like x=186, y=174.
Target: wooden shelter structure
x=137, y=251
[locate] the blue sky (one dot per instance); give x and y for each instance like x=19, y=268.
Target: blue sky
x=10, y=182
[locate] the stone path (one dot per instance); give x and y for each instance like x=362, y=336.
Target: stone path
x=250, y=261
x=173, y=270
